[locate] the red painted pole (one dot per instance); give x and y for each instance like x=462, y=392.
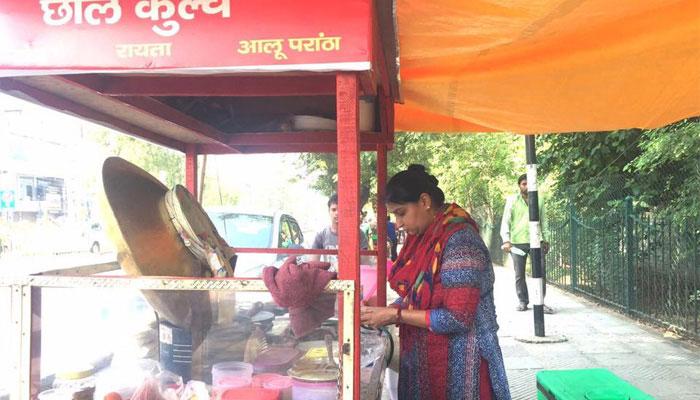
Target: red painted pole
x=347, y=93
x=191, y=168
x=381, y=224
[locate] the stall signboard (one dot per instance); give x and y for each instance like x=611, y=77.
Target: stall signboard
x=199, y=36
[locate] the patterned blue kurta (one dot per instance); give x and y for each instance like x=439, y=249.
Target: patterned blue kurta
x=444, y=361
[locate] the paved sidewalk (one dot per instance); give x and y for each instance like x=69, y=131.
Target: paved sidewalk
x=597, y=338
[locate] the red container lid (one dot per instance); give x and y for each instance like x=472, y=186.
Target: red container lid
x=251, y=394
x=261, y=379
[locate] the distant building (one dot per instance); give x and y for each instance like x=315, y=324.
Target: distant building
x=38, y=158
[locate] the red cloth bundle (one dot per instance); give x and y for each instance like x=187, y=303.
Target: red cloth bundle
x=300, y=289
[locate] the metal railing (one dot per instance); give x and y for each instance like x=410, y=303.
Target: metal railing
x=645, y=265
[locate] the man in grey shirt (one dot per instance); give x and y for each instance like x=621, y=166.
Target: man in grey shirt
x=328, y=237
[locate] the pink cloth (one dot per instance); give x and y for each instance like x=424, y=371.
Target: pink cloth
x=300, y=288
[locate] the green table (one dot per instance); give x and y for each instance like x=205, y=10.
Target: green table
x=585, y=384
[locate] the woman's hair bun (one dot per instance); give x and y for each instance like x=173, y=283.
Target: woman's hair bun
x=416, y=168
x=433, y=179
x=407, y=186
x=419, y=169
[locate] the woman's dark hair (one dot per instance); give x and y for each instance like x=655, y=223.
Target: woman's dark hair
x=407, y=186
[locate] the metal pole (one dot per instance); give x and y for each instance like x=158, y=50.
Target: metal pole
x=535, y=236
x=629, y=254
x=574, y=244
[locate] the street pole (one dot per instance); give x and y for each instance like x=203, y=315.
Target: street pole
x=535, y=235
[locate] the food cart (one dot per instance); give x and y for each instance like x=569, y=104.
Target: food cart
x=212, y=77
x=167, y=71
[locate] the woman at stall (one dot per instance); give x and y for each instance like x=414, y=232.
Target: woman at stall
x=445, y=310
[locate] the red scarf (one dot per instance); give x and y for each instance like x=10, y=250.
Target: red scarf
x=414, y=272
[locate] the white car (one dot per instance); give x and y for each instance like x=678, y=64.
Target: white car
x=257, y=230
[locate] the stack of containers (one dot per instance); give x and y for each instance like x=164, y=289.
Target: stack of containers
x=280, y=383
x=231, y=374
x=233, y=380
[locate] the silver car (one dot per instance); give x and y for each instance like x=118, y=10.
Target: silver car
x=257, y=230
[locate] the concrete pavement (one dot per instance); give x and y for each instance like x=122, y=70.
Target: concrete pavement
x=597, y=338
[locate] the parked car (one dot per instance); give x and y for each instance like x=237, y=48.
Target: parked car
x=259, y=230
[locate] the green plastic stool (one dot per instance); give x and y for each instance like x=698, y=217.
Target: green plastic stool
x=585, y=384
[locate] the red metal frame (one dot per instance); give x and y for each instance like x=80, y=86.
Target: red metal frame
x=128, y=92
x=211, y=86
x=347, y=103
x=266, y=250
x=191, y=172
x=381, y=224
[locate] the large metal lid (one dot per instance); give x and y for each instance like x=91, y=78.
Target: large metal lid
x=198, y=232
x=148, y=244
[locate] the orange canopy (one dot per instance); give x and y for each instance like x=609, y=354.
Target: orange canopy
x=543, y=66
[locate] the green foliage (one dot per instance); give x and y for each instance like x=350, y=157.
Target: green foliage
x=588, y=168
x=476, y=171
x=163, y=163
x=670, y=164
x=659, y=168
x=325, y=167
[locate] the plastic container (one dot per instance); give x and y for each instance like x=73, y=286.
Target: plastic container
x=230, y=382
x=260, y=379
x=276, y=359
x=368, y=280
x=250, y=394
x=78, y=382
x=54, y=394
x=366, y=108
x=315, y=123
x=314, y=380
x=283, y=384
x=302, y=390
x=169, y=381
x=230, y=369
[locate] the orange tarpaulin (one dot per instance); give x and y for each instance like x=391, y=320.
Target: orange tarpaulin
x=547, y=65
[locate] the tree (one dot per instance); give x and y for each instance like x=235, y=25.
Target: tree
x=588, y=168
x=325, y=167
x=474, y=170
x=166, y=164
x=659, y=168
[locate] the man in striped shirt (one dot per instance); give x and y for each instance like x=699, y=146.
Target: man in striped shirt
x=516, y=239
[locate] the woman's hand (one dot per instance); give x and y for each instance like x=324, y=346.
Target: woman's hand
x=376, y=317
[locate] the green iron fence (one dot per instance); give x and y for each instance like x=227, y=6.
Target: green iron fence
x=645, y=265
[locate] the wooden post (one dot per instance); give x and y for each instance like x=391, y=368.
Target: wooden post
x=347, y=94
